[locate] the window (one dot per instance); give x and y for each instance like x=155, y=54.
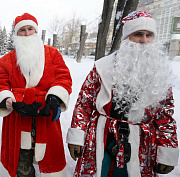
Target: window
x=157, y=29
x=165, y=28
x=172, y=9
x=161, y=28
x=168, y=2
x=156, y=6
x=159, y=16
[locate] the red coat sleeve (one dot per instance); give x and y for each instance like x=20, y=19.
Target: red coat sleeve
x=86, y=102
x=166, y=134
x=62, y=73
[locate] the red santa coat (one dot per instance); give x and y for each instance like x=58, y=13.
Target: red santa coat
x=51, y=76
x=153, y=140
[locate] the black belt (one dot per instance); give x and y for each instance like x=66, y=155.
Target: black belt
x=123, y=130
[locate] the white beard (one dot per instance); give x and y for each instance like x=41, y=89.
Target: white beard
x=30, y=58
x=29, y=50
x=142, y=74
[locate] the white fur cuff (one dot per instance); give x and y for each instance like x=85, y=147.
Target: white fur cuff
x=75, y=136
x=62, y=94
x=167, y=156
x=4, y=94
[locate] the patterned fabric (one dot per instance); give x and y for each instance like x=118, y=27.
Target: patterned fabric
x=135, y=14
x=157, y=129
x=119, y=139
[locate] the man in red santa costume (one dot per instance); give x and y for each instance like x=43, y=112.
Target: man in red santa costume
x=35, y=85
x=122, y=124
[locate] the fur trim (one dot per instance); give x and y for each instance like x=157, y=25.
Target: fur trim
x=62, y=173
x=26, y=140
x=167, y=155
x=75, y=136
x=103, y=98
x=133, y=166
x=135, y=114
x=3, y=171
x=62, y=93
x=24, y=23
x=142, y=23
x=104, y=95
x=36, y=75
x=100, y=143
x=39, y=151
x=4, y=94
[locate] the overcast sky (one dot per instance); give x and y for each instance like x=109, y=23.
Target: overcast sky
x=47, y=10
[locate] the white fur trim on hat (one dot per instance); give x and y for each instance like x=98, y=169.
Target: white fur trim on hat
x=141, y=23
x=24, y=23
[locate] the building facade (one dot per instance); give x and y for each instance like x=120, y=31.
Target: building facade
x=163, y=11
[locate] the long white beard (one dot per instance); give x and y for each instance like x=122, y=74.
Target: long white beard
x=29, y=51
x=141, y=72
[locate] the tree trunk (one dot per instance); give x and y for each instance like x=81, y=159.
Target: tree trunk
x=124, y=7
x=43, y=35
x=49, y=41
x=103, y=29
x=83, y=37
x=55, y=40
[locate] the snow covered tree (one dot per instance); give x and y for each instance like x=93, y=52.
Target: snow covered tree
x=10, y=38
x=104, y=28
x=67, y=31
x=3, y=41
x=71, y=32
x=123, y=8
x=83, y=37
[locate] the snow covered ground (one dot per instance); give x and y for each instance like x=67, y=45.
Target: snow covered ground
x=79, y=72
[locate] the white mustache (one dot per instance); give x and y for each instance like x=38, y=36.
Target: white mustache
x=145, y=69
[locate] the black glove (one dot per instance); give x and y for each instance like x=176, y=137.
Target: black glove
x=30, y=110
x=163, y=169
x=53, y=103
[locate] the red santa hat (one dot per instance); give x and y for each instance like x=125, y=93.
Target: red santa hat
x=23, y=20
x=138, y=20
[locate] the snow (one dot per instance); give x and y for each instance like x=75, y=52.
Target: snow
x=83, y=22
x=175, y=36
x=100, y=20
x=118, y=15
x=79, y=72
x=176, y=58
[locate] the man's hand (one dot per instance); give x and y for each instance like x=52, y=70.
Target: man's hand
x=163, y=169
x=9, y=102
x=29, y=110
x=53, y=103
x=75, y=151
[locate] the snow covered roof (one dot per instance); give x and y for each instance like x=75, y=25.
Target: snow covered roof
x=92, y=40
x=175, y=36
